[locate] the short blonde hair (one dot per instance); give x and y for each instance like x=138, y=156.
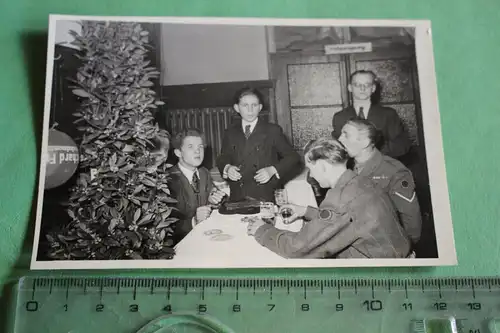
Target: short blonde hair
x=328, y=149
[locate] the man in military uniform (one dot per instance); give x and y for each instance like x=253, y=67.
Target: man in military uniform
x=356, y=220
x=359, y=137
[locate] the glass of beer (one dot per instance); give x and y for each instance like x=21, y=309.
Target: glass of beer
x=281, y=197
x=286, y=214
x=267, y=212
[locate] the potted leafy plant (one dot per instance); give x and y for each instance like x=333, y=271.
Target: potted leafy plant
x=120, y=207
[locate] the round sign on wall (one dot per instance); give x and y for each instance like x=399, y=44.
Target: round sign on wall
x=62, y=159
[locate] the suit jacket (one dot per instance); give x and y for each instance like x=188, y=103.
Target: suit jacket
x=356, y=220
x=266, y=146
x=395, y=139
x=187, y=199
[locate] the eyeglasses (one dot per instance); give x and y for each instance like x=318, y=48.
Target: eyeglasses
x=364, y=86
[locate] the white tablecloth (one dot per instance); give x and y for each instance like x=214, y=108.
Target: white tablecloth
x=222, y=240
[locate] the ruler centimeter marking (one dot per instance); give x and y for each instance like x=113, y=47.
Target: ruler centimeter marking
x=104, y=284
x=355, y=285
x=465, y=298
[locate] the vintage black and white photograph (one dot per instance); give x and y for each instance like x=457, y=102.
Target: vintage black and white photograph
x=241, y=143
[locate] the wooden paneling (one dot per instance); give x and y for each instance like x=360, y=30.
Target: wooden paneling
x=211, y=95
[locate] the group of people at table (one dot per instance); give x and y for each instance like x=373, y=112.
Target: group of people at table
x=370, y=209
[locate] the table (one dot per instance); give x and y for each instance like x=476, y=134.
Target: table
x=200, y=248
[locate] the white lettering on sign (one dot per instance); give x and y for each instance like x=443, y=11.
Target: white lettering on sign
x=68, y=157
x=60, y=157
x=63, y=148
x=348, y=48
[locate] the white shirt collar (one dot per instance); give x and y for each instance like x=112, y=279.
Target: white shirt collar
x=365, y=106
x=188, y=173
x=252, y=124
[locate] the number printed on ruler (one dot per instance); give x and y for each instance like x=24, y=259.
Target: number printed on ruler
x=414, y=305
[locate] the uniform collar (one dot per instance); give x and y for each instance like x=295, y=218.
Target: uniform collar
x=369, y=166
x=345, y=178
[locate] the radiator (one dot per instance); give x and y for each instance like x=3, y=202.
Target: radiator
x=211, y=121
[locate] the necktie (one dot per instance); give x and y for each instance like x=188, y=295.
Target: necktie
x=247, y=131
x=196, y=182
x=361, y=113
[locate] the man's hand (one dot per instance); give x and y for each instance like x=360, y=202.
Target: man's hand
x=265, y=174
x=233, y=172
x=253, y=225
x=216, y=197
x=202, y=213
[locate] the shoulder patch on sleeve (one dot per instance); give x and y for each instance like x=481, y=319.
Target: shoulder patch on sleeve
x=325, y=214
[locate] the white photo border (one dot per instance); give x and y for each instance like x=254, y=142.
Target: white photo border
x=432, y=140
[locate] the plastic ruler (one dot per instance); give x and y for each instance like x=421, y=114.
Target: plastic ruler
x=147, y=305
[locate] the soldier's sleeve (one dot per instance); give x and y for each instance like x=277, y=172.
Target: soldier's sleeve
x=311, y=213
x=327, y=227
x=404, y=197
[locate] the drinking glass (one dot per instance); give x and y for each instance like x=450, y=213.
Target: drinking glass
x=267, y=212
x=286, y=214
x=281, y=197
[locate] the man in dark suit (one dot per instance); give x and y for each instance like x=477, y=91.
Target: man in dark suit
x=190, y=183
x=395, y=142
x=256, y=157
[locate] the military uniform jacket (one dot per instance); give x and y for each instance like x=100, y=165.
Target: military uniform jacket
x=395, y=139
x=266, y=146
x=355, y=220
x=187, y=199
x=395, y=179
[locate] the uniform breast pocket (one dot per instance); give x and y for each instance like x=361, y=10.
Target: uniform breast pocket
x=381, y=182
